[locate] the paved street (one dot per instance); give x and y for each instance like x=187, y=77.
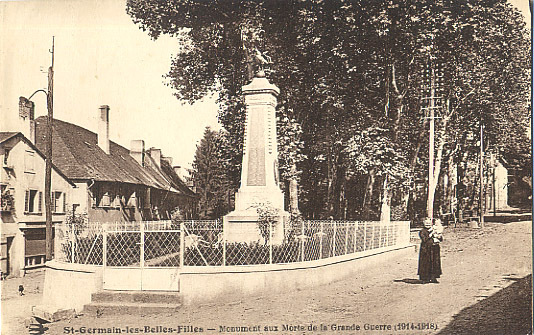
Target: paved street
x=485, y=289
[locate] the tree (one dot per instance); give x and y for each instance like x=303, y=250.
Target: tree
x=372, y=153
x=345, y=67
x=290, y=154
x=209, y=177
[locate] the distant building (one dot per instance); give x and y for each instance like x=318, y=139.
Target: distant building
x=114, y=183
x=497, y=183
x=22, y=203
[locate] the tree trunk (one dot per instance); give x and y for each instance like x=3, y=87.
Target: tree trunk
x=385, y=210
x=438, y=161
x=333, y=179
x=343, y=201
x=399, y=103
x=413, y=161
x=368, y=196
x=293, y=192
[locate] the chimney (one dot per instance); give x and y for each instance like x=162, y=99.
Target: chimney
x=103, y=128
x=27, y=114
x=168, y=160
x=156, y=155
x=137, y=151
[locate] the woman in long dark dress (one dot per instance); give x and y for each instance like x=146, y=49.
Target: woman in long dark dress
x=429, y=268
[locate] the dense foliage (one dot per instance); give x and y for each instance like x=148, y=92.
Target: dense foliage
x=352, y=76
x=211, y=167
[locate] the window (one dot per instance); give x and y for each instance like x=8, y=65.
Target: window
x=35, y=247
x=106, y=200
x=29, y=162
x=117, y=201
x=33, y=202
x=106, y=196
x=132, y=201
x=7, y=203
x=59, y=203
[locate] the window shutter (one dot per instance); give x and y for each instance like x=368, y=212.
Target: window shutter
x=40, y=208
x=54, y=207
x=64, y=202
x=27, y=202
x=12, y=192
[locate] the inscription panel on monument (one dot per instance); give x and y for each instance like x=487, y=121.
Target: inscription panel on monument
x=256, y=146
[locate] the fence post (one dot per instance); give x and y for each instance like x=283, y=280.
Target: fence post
x=270, y=242
x=346, y=238
x=182, y=242
x=387, y=233
x=355, y=235
x=72, y=245
x=302, y=241
x=406, y=231
x=321, y=242
x=365, y=236
x=373, y=245
x=309, y=232
x=104, y=244
x=381, y=234
x=334, y=240
x=142, y=245
x=224, y=242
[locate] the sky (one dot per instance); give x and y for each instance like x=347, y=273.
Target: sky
x=522, y=5
x=101, y=58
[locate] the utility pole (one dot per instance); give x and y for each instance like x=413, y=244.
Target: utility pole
x=494, y=165
x=429, y=103
x=48, y=166
x=430, y=200
x=481, y=204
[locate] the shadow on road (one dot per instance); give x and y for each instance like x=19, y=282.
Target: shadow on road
x=409, y=281
x=508, y=311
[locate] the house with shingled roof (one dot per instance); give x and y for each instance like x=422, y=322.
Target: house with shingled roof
x=114, y=183
x=22, y=212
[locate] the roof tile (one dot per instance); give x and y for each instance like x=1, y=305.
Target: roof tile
x=77, y=154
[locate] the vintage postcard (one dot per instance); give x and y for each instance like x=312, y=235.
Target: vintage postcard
x=266, y=167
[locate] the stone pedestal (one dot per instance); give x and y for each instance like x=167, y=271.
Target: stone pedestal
x=243, y=227
x=259, y=171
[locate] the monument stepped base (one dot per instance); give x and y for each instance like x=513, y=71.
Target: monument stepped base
x=133, y=302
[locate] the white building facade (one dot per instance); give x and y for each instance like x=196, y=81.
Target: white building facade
x=22, y=180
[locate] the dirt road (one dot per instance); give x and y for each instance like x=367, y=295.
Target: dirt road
x=485, y=289
x=16, y=308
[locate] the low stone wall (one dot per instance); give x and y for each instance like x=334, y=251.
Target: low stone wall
x=230, y=283
x=69, y=286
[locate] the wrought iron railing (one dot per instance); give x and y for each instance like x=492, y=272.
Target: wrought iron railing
x=309, y=241
x=202, y=243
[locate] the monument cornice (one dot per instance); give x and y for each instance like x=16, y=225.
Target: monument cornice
x=273, y=91
x=260, y=86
